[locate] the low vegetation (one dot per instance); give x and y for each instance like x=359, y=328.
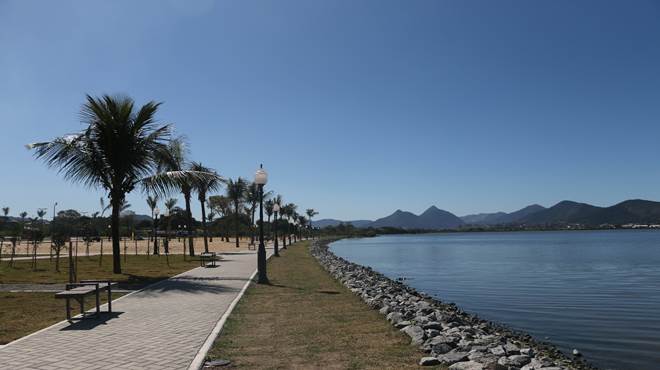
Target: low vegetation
x=305, y=319
x=137, y=272
x=24, y=313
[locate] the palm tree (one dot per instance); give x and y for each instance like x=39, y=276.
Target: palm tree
x=118, y=150
x=221, y=205
x=268, y=207
x=311, y=213
x=236, y=193
x=252, y=198
x=289, y=213
x=177, y=161
x=202, y=187
x=104, y=208
x=302, y=222
x=170, y=205
x=5, y=211
x=210, y=217
x=152, y=202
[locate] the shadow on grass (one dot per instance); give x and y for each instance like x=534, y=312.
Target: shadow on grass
x=91, y=322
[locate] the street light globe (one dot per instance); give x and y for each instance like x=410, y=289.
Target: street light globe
x=276, y=207
x=260, y=177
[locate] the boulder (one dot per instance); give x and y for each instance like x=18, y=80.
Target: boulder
x=467, y=365
x=514, y=361
x=416, y=334
x=452, y=357
x=432, y=325
x=429, y=361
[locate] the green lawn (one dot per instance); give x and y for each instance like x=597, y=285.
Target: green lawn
x=137, y=271
x=24, y=313
x=305, y=319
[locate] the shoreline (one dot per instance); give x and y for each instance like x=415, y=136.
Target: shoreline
x=447, y=334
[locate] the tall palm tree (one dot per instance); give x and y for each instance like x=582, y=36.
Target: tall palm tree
x=221, y=205
x=170, y=205
x=236, y=193
x=311, y=213
x=210, y=217
x=302, y=223
x=290, y=213
x=178, y=161
x=152, y=202
x=202, y=187
x=252, y=198
x=268, y=207
x=118, y=150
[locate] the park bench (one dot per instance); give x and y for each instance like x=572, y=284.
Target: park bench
x=79, y=291
x=208, y=259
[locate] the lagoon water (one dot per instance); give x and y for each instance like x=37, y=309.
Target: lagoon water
x=598, y=291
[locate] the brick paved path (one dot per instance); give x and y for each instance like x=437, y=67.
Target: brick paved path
x=160, y=327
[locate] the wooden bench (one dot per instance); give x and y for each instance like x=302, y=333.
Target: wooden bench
x=208, y=259
x=79, y=291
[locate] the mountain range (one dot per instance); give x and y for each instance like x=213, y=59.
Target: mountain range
x=565, y=212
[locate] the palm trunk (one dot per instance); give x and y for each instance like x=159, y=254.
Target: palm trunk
x=206, y=241
x=116, y=251
x=236, y=222
x=191, y=248
x=153, y=232
x=252, y=226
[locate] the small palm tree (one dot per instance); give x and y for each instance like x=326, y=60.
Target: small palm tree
x=178, y=161
x=311, y=213
x=170, y=205
x=202, y=187
x=118, y=150
x=152, y=202
x=236, y=193
x=5, y=211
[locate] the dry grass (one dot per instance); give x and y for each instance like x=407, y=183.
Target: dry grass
x=176, y=246
x=24, y=313
x=137, y=271
x=305, y=319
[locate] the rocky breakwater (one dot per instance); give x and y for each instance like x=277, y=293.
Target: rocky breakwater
x=447, y=335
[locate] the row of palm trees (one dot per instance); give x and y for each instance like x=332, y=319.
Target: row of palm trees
x=123, y=147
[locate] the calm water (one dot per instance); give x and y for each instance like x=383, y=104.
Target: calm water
x=598, y=291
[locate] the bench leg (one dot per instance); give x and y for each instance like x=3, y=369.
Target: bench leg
x=68, y=310
x=98, y=303
x=109, y=298
x=82, y=306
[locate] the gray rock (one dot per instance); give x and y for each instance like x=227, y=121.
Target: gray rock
x=394, y=317
x=538, y=363
x=515, y=361
x=467, y=365
x=429, y=361
x=432, y=333
x=384, y=310
x=432, y=325
x=498, y=351
x=527, y=352
x=452, y=357
x=416, y=334
x=402, y=324
x=511, y=349
x=440, y=349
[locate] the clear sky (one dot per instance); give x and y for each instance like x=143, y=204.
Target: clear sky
x=356, y=108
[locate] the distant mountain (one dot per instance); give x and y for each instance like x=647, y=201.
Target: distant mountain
x=501, y=218
x=635, y=211
x=432, y=219
x=564, y=212
x=568, y=212
x=332, y=222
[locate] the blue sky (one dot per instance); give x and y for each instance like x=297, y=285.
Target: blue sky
x=356, y=108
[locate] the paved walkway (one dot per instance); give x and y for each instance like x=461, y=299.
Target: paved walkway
x=160, y=327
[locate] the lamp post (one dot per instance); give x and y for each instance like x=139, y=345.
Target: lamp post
x=261, y=178
x=156, y=213
x=276, y=208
